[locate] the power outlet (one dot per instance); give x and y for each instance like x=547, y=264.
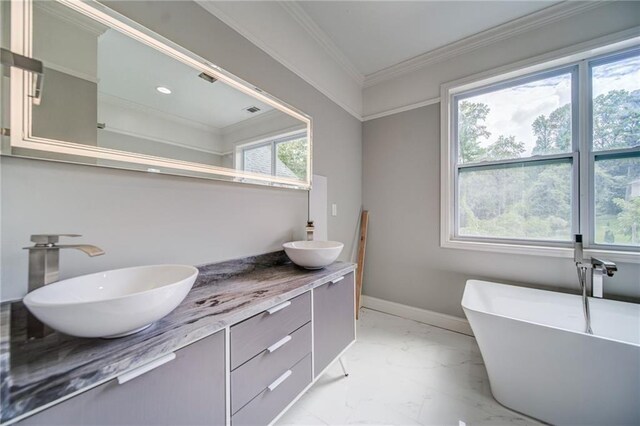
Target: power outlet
x=334, y=209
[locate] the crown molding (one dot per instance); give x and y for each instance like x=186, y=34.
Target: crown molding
x=309, y=25
x=228, y=132
x=401, y=109
x=119, y=102
x=512, y=28
x=69, y=71
x=65, y=14
x=162, y=141
x=621, y=40
x=218, y=12
x=264, y=137
x=266, y=116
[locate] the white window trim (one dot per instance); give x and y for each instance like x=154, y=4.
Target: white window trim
x=557, y=59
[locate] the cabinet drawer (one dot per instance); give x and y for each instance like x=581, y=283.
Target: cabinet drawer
x=269, y=403
x=255, y=375
x=333, y=320
x=186, y=391
x=257, y=333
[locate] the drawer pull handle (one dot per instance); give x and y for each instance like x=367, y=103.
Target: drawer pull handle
x=337, y=280
x=130, y=375
x=279, y=380
x=278, y=307
x=279, y=343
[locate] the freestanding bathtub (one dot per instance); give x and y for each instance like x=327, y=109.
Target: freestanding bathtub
x=541, y=362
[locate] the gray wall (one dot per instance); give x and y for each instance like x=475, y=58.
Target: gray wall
x=141, y=145
x=143, y=218
x=405, y=264
x=68, y=111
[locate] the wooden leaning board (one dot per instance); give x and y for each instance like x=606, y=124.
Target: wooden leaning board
x=362, y=248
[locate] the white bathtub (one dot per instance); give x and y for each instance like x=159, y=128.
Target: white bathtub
x=541, y=363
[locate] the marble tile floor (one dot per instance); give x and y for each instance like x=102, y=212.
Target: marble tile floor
x=404, y=373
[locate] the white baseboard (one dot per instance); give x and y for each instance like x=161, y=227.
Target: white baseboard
x=449, y=322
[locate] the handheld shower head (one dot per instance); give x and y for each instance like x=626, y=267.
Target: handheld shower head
x=577, y=249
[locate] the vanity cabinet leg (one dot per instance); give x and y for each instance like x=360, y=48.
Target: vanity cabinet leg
x=343, y=364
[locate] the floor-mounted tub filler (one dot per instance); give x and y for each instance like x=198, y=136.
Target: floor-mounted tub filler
x=541, y=362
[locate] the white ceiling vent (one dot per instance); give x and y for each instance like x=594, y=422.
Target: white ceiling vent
x=252, y=109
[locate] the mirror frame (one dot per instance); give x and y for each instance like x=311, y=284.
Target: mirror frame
x=21, y=103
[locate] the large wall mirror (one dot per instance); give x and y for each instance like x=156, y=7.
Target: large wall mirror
x=115, y=94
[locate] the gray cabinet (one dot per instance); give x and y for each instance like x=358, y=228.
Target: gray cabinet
x=255, y=375
x=269, y=403
x=270, y=361
x=189, y=390
x=333, y=320
x=253, y=335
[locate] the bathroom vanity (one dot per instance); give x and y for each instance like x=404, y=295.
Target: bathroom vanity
x=252, y=334
x=249, y=339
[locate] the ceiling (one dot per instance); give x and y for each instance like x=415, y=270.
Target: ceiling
x=374, y=35
x=355, y=51
x=130, y=70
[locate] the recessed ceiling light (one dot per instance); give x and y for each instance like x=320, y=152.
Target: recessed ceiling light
x=163, y=90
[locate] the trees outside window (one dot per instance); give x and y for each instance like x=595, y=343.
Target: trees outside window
x=508, y=185
x=517, y=156
x=283, y=157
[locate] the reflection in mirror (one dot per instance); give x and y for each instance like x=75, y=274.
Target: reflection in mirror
x=106, y=89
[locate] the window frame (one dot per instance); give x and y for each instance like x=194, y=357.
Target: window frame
x=593, y=155
x=273, y=143
x=571, y=156
x=582, y=156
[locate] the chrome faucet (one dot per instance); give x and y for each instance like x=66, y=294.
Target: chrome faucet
x=598, y=268
x=44, y=268
x=582, y=268
x=309, y=229
x=607, y=266
x=44, y=258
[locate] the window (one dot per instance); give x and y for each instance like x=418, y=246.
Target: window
x=258, y=159
x=534, y=157
x=515, y=144
x=283, y=157
x=615, y=146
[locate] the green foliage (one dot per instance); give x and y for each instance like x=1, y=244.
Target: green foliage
x=504, y=148
x=535, y=201
x=616, y=120
x=293, y=154
x=553, y=133
x=517, y=202
x=610, y=184
x=628, y=220
x=549, y=193
x=471, y=130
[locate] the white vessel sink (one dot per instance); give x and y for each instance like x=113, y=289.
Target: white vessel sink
x=112, y=303
x=313, y=254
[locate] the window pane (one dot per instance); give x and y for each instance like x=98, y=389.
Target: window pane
x=258, y=160
x=523, y=201
x=291, y=159
x=616, y=104
x=532, y=118
x=617, y=201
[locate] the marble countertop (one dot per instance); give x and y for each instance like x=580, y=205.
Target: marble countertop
x=35, y=373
